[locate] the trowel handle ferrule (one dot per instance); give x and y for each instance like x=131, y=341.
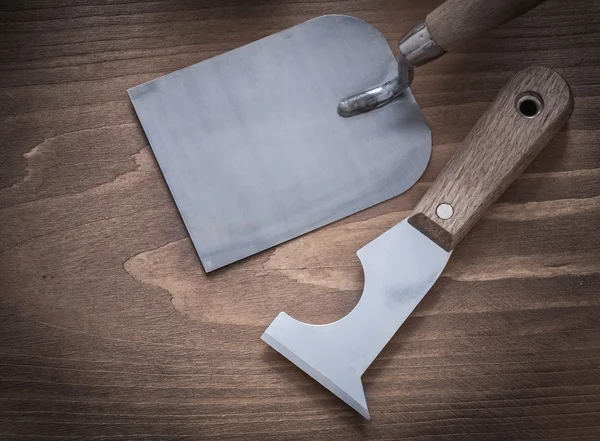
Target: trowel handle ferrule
x=448, y=27
x=454, y=23
x=524, y=117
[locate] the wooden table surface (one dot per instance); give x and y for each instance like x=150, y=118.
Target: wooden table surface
x=111, y=330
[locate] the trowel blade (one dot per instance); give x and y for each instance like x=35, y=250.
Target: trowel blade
x=254, y=151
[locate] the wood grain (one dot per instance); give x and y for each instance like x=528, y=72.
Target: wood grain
x=495, y=152
x=110, y=329
x=456, y=22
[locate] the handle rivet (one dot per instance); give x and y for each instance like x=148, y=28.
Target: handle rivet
x=444, y=211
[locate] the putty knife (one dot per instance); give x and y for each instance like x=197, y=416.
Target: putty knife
x=401, y=265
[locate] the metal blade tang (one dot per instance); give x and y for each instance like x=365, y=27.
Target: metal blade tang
x=416, y=48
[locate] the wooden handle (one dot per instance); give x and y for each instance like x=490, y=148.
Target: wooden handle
x=503, y=142
x=458, y=21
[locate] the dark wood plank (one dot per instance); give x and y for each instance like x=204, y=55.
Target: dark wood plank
x=111, y=330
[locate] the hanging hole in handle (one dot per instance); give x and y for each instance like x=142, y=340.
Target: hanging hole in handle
x=530, y=105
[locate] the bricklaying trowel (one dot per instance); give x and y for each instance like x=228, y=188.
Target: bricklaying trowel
x=253, y=149
x=401, y=265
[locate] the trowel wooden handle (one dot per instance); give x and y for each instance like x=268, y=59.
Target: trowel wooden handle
x=525, y=116
x=458, y=21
